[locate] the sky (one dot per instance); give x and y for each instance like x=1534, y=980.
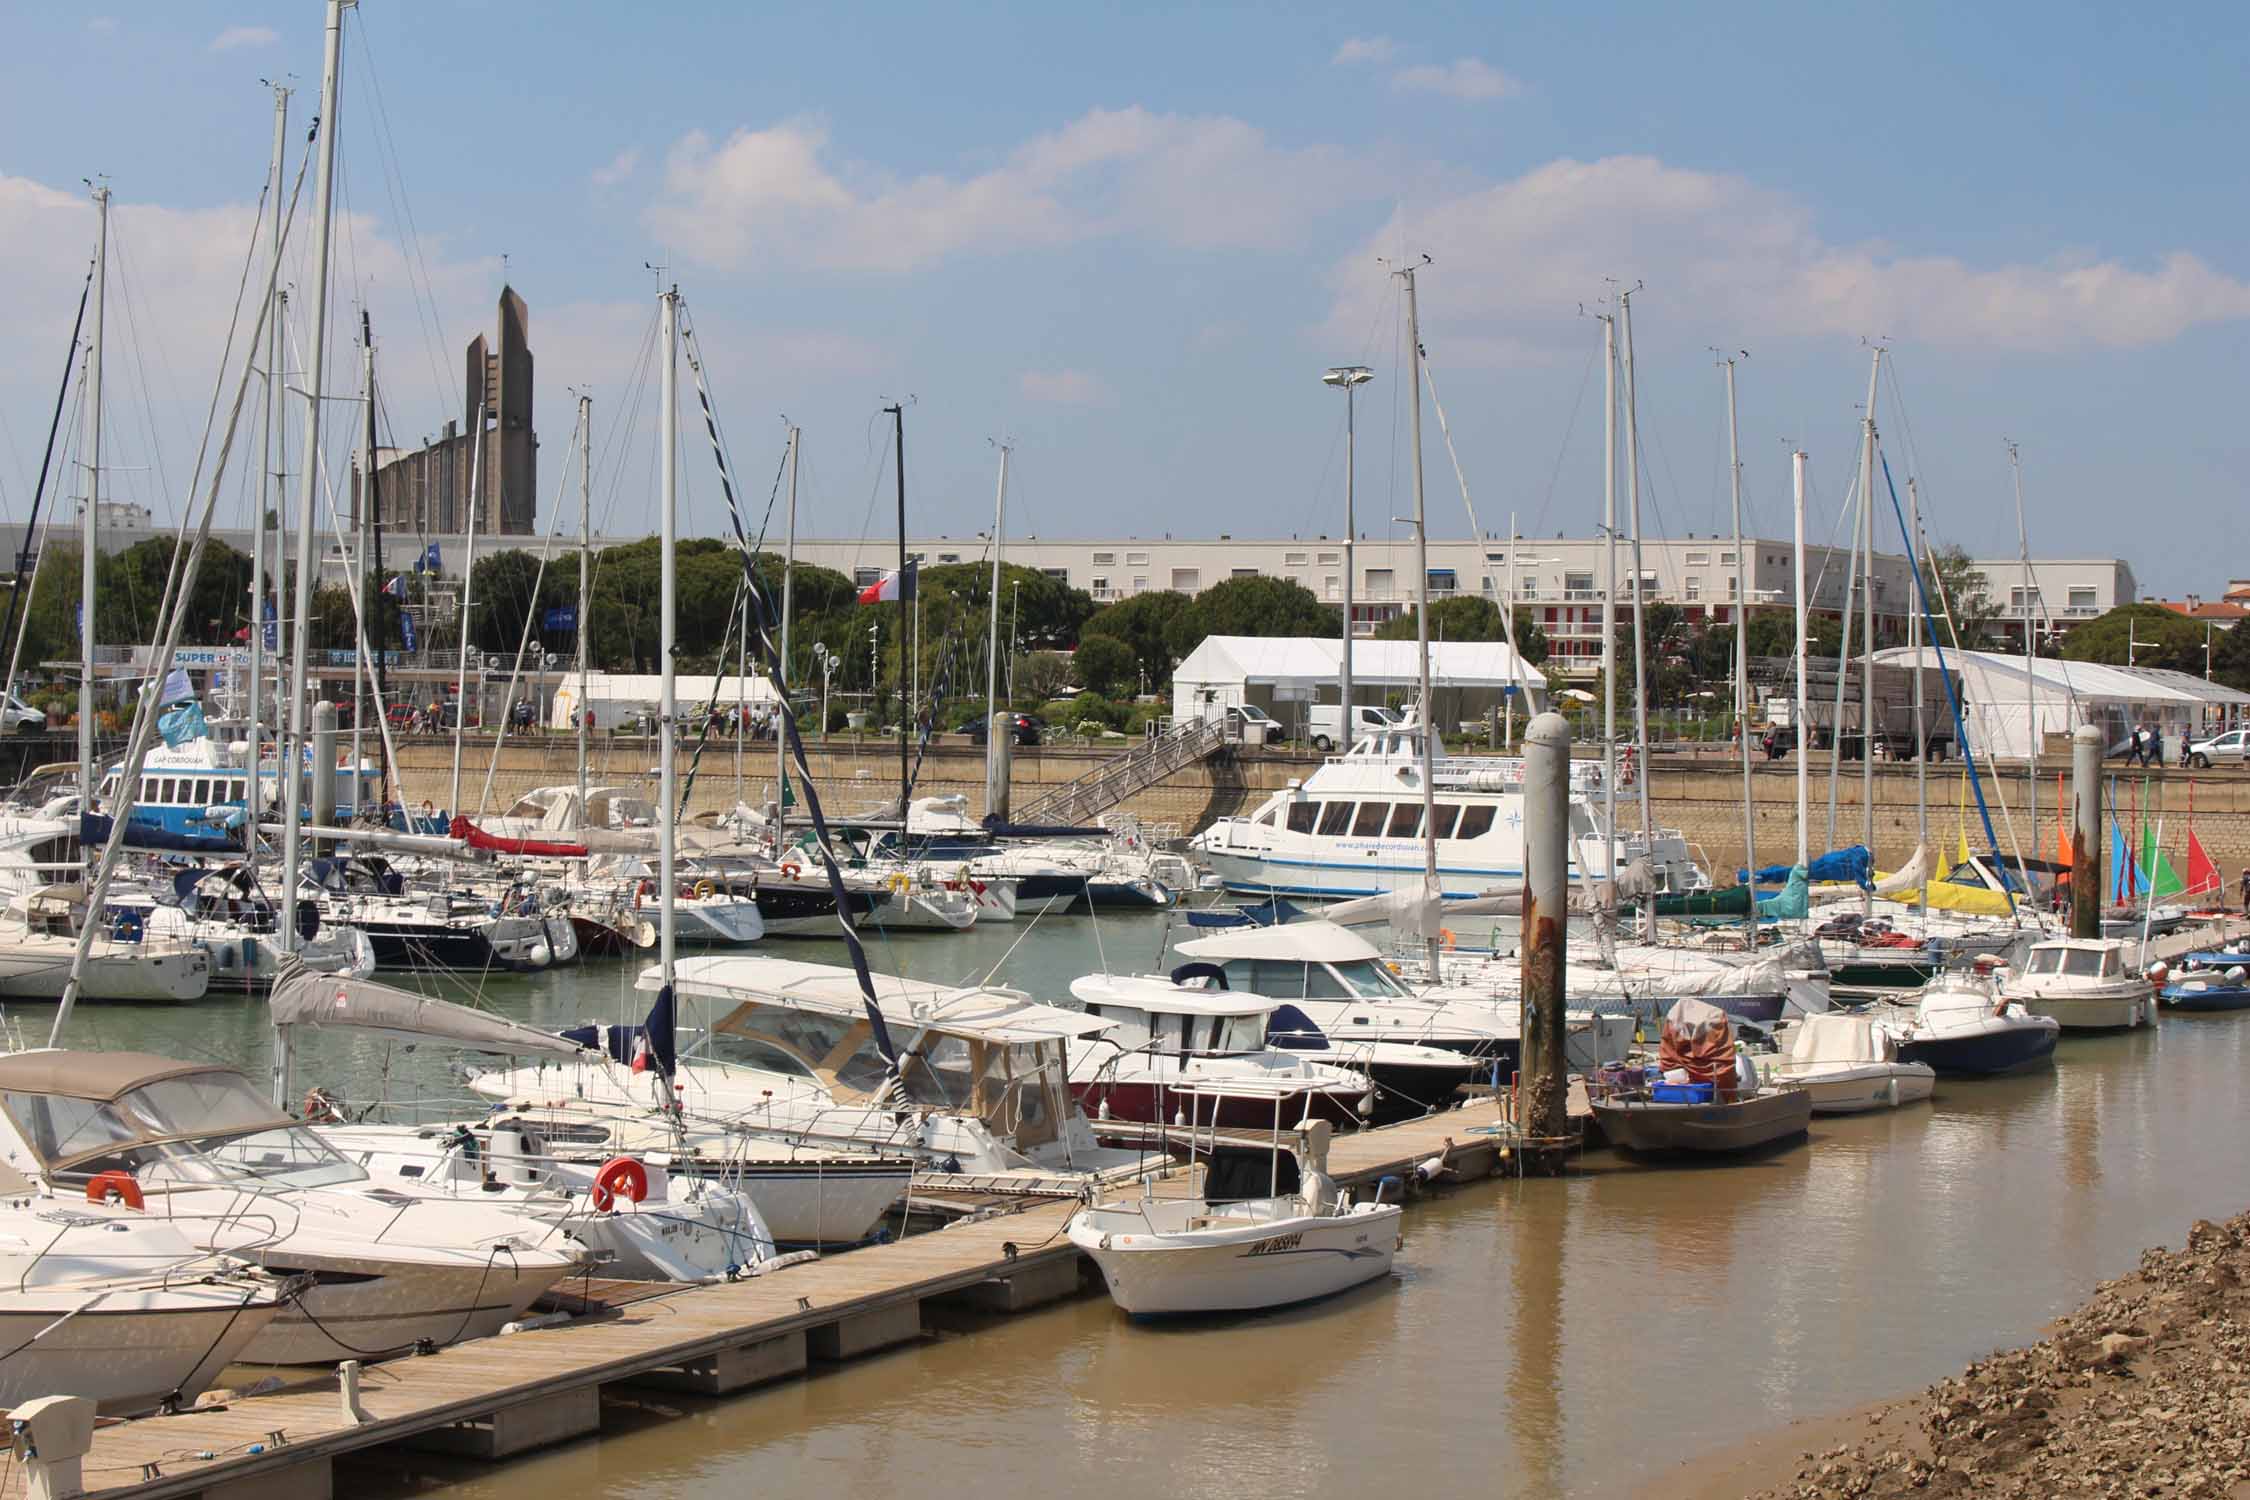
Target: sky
x=1127, y=241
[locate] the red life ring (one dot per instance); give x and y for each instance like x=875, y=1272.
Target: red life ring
x=114, y=1187
x=643, y=891
x=620, y=1177
x=790, y=869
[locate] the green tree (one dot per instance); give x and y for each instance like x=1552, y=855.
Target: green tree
x=1958, y=585
x=1144, y=623
x=2156, y=636
x=1773, y=633
x=129, y=590
x=1104, y=664
x=1254, y=605
x=1470, y=617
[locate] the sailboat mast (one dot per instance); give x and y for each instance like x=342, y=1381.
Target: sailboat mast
x=2030, y=671
x=1742, y=649
x=308, y=491
x=667, y=798
x=1804, y=667
x=1867, y=640
x=992, y=632
x=1641, y=680
x=585, y=576
x=1422, y=619
x=268, y=475
x=363, y=561
x=1609, y=595
x=905, y=638
x=90, y=529
x=788, y=608
x=1914, y=640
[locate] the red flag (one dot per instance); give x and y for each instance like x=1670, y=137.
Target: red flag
x=891, y=586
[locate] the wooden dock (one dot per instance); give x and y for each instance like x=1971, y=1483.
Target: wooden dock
x=500, y=1396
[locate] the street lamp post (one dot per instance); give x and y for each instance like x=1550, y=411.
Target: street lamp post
x=1348, y=378
x=827, y=660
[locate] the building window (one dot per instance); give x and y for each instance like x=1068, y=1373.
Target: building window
x=865, y=576
x=1101, y=587
x=1491, y=590
x=1332, y=590
x=1443, y=580
x=1378, y=581
x=2082, y=599
x=2017, y=598
x=1699, y=559
x=1140, y=582
x=1059, y=573
x=1527, y=588
x=1186, y=580
x=1244, y=572
x=1136, y=559
x=949, y=557
x=1104, y=559
x=1293, y=559
x=1330, y=559
x=1734, y=587
x=1726, y=559
x=1694, y=589
x=1578, y=586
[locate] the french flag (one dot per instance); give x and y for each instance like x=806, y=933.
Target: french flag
x=396, y=587
x=892, y=587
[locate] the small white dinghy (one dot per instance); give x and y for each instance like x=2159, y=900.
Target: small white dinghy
x=1849, y=1065
x=1163, y=1256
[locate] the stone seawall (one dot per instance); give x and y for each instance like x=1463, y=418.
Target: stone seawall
x=1700, y=796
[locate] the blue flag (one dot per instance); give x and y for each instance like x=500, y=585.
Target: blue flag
x=406, y=628
x=273, y=627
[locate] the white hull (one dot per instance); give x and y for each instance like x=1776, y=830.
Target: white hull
x=2093, y=1012
x=1233, y=1258
x=815, y=1203
x=130, y=1348
x=1851, y=1089
x=400, y=1306
x=37, y=968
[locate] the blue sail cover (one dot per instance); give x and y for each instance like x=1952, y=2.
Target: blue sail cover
x=1852, y=863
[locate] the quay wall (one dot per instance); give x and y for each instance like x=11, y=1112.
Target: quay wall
x=1700, y=795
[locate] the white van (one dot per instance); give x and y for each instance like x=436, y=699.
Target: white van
x=1324, y=723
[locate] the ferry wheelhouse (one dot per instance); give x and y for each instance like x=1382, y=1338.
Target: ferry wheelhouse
x=1354, y=828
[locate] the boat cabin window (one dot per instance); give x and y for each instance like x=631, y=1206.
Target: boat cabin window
x=1235, y=1034
x=1303, y=816
x=1441, y=819
x=1132, y=1025
x=1406, y=820
x=1364, y=977
x=1265, y=818
x=1275, y=978
x=2080, y=963
x=752, y=1052
x=1369, y=823
x=56, y=1127
x=199, y=1129
x=1476, y=821
x=1335, y=817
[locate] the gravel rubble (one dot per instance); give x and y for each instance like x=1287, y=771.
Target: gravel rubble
x=2143, y=1391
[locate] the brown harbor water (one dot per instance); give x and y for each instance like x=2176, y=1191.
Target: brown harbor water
x=1574, y=1337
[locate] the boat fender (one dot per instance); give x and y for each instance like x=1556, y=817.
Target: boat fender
x=2158, y=972
x=2235, y=975
x=620, y=1177
x=115, y=1187
x=1890, y=1091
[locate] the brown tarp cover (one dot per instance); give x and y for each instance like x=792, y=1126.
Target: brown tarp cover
x=90, y=1075
x=1698, y=1037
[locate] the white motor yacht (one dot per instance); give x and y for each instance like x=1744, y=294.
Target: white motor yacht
x=195, y=1145
x=100, y=1301
x=39, y=940
x=1849, y=1065
x=1169, y=1256
x=1962, y=1026
x=976, y=1084
x=2085, y=984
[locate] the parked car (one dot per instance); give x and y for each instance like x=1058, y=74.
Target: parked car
x=19, y=717
x=1324, y=723
x=401, y=716
x=1026, y=730
x=2233, y=747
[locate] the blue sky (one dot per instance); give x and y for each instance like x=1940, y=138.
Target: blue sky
x=1132, y=241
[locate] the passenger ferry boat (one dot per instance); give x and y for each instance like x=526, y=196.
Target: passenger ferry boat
x=1354, y=828
x=194, y=796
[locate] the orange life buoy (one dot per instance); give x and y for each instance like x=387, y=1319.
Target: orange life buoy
x=790, y=869
x=1445, y=936
x=114, y=1187
x=620, y=1177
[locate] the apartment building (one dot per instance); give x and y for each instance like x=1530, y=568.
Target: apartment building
x=1558, y=580
x=2059, y=592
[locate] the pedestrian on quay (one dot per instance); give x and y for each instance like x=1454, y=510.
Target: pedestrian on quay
x=2246, y=888
x=2156, y=748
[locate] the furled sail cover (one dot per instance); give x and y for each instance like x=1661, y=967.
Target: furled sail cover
x=307, y=999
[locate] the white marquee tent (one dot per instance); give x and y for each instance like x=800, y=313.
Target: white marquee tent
x=1998, y=705
x=1277, y=673
x=619, y=696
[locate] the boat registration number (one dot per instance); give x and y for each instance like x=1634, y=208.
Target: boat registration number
x=1276, y=1245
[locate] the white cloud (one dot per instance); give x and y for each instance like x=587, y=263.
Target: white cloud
x=616, y=170
x=1513, y=261
x=1467, y=78
x=1365, y=49
x=780, y=195
x=244, y=36
x=1064, y=387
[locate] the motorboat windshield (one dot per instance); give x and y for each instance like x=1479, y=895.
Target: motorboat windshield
x=205, y=1127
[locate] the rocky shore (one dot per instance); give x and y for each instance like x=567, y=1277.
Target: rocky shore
x=2144, y=1391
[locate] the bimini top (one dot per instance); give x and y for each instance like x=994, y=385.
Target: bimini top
x=990, y=1015
x=1160, y=996
x=1305, y=942
x=92, y=1075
